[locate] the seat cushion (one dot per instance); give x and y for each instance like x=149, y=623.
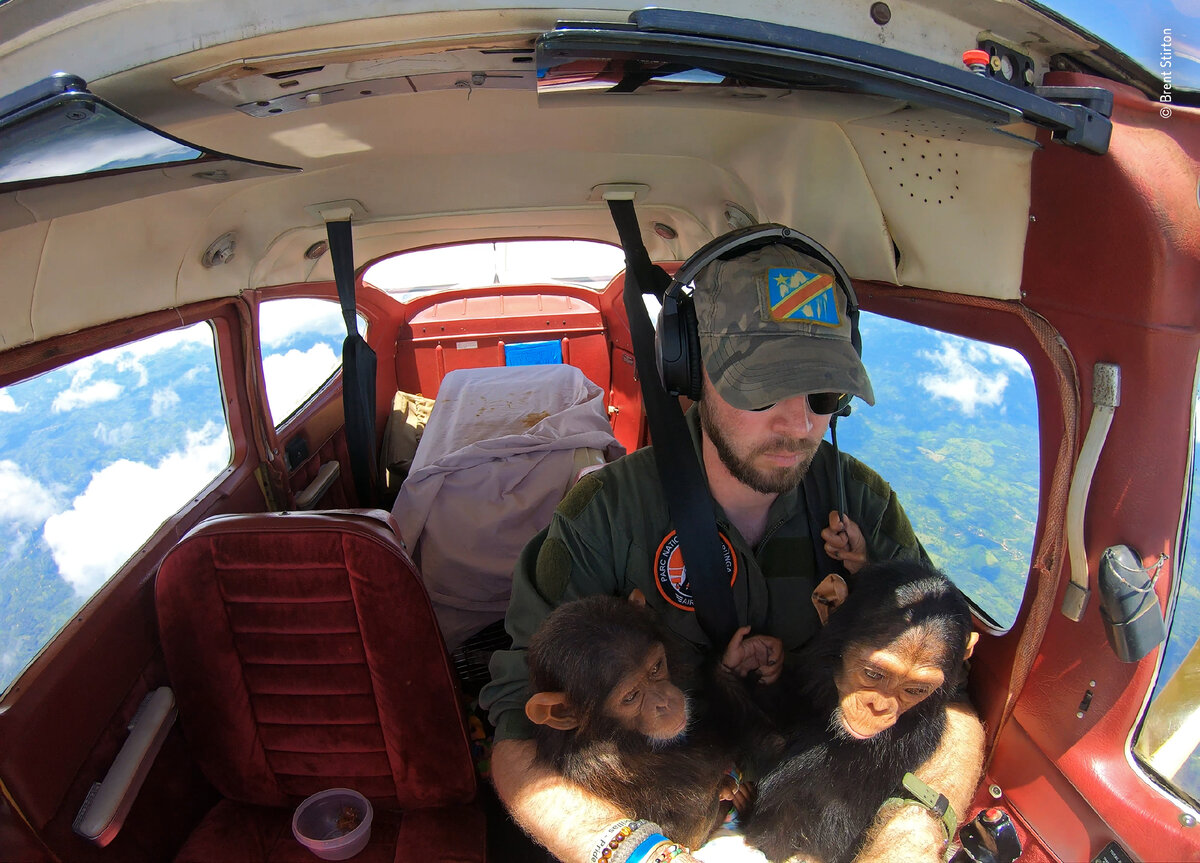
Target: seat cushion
x=305, y=655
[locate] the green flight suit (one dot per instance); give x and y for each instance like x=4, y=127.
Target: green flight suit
x=612, y=533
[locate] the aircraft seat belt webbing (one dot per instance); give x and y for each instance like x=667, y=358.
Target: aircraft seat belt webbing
x=688, y=497
x=358, y=368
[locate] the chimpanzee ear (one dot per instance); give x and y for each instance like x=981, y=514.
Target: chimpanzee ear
x=829, y=594
x=551, y=709
x=972, y=640
x=638, y=598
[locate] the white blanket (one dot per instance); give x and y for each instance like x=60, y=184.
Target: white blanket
x=497, y=455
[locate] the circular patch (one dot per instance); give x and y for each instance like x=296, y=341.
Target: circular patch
x=671, y=575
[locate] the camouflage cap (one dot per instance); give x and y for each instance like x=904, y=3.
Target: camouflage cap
x=773, y=324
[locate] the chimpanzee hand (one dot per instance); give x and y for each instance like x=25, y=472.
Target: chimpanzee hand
x=737, y=792
x=761, y=653
x=844, y=541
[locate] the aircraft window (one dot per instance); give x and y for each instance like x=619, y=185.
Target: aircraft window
x=1168, y=742
x=301, y=340
x=514, y=262
x=96, y=455
x=954, y=430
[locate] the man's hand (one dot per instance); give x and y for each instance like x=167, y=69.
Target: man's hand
x=761, y=653
x=844, y=541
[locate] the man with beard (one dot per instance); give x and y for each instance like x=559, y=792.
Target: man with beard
x=776, y=356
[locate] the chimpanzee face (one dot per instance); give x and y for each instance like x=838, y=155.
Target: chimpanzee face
x=877, y=684
x=646, y=701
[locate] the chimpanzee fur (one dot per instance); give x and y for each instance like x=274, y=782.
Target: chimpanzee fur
x=824, y=794
x=584, y=649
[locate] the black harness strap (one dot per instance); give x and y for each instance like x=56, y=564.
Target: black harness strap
x=358, y=368
x=688, y=498
x=816, y=488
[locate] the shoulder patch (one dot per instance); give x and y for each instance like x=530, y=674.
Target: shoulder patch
x=896, y=524
x=868, y=477
x=579, y=497
x=553, y=570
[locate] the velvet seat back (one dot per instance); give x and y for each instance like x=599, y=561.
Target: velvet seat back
x=305, y=655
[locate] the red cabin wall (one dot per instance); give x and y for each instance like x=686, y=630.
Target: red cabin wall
x=1102, y=229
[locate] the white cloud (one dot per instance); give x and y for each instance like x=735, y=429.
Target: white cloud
x=134, y=364
x=129, y=358
x=8, y=405
x=1008, y=359
x=162, y=401
x=125, y=503
x=9, y=664
x=81, y=395
x=22, y=498
x=293, y=377
x=114, y=436
x=197, y=334
x=958, y=378
x=279, y=320
x=16, y=548
x=124, y=358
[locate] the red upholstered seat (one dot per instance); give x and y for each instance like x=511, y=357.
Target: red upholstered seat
x=304, y=655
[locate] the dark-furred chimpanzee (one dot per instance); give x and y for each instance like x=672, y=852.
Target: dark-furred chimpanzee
x=624, y=709
x=870, y=707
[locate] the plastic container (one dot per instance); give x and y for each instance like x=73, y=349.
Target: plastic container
x=533, y=353
x=325, y=823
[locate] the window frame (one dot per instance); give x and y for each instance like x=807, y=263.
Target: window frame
x=909, y=494
x=129, y=580
x=1005, y=325
x=1158, y=783
x=366, y=330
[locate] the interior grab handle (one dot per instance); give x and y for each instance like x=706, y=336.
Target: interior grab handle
x=315, y=490
x=104, y=809
x=1106, y=396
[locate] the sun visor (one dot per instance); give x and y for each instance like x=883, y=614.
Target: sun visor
x=63, y=150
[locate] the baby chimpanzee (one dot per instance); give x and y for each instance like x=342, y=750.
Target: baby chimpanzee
x=623, y=709
x=874, y=685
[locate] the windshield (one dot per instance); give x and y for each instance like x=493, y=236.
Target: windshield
x=512, y=262
x=1162, y=36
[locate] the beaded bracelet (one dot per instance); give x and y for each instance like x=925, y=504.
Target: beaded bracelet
x=623, y=840
x=647, y=851
x=665, y=851
x=612, y=839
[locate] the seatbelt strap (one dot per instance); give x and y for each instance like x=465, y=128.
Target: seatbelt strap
x=688, y=499
x=816, y=491
x=358, y=368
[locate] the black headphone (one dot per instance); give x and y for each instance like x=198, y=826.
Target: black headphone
x=677, y=338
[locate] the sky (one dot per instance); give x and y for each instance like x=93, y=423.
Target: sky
x=1137, y=27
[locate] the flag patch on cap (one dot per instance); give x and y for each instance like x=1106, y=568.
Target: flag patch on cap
x=798, y=295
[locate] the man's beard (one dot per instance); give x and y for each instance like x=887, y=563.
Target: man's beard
x=766, y=481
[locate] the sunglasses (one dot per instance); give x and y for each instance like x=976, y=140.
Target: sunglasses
x=819, y=403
